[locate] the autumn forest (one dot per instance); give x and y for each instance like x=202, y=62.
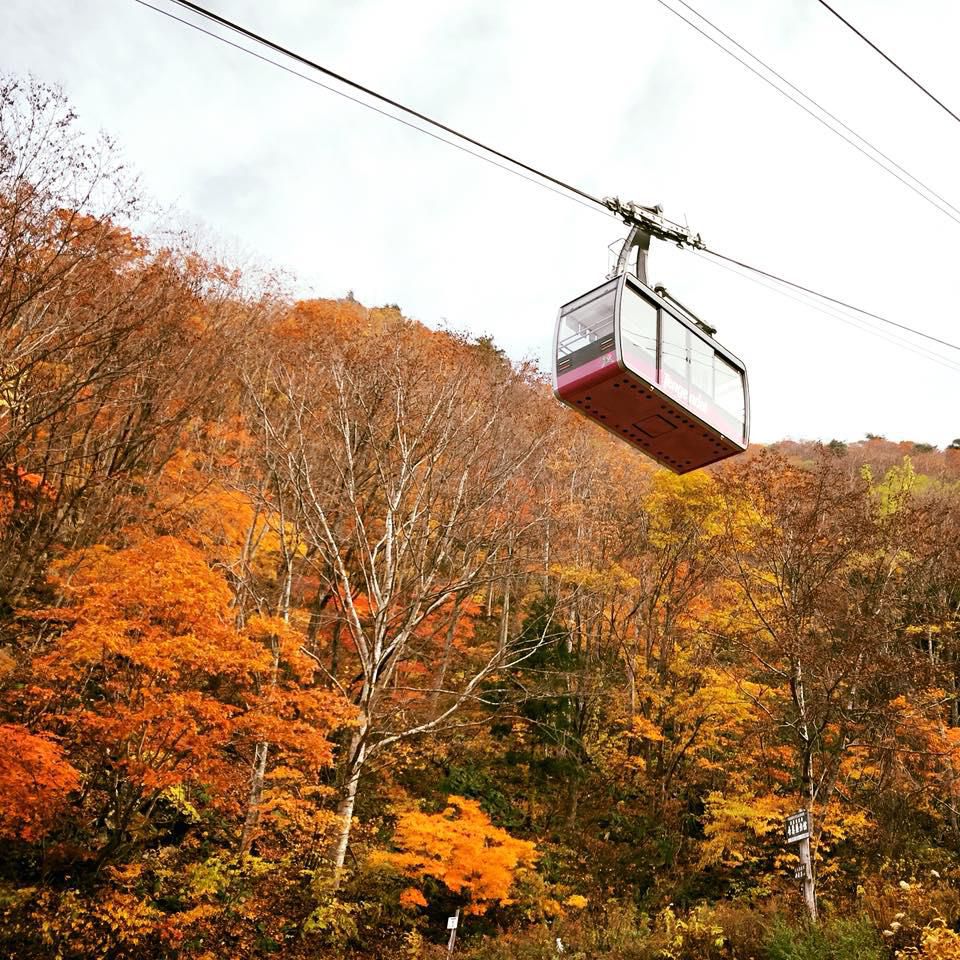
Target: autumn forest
x=319, y=627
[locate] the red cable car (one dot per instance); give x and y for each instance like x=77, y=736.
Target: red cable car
x=637, y=362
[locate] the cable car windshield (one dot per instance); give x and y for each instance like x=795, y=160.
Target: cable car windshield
x=588, y=320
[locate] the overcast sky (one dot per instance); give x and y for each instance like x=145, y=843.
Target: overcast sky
x=618, y=97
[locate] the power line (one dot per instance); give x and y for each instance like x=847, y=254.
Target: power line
x=498, y=158
x=918, y=186
x=848, y=317
x=517, y=166
x=889, y=60
x=833, y=300
x=363, y=103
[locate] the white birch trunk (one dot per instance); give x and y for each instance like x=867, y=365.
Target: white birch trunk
x=252, y=819
x=358, y=755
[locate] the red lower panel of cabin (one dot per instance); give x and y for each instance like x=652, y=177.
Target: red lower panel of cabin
x=647, y=420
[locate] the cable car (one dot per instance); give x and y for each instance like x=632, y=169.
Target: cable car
x=637, y=362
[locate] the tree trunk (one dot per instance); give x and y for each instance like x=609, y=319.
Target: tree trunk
x=447, y=652
x=573, y=800
x=631, y=683
x=808, y=787
x=260, y=754
x=358, y=755
x=505, y=617
x=335, y=648
x=546, y=561
x=252, y=819
x=951, y=769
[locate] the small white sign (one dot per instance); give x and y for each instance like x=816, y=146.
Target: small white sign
x=798, y=826
x=452, y=923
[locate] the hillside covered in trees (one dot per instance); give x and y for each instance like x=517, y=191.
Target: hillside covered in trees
x=318, y=626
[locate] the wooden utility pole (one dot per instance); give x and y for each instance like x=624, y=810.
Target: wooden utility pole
x=798, y=831
x=806, y=866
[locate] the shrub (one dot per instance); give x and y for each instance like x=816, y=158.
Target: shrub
x=937, y=942
x=745, y=927
x=835, y=940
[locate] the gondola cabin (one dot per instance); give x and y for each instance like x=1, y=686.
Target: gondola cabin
x=641, y=366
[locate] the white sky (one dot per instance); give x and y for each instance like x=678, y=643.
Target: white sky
x=618, y=97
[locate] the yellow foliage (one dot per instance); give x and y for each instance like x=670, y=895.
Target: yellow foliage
x=677, y=501
x=733, y=822
x=645, y=729
x=461, y=849
x=681, y=937
x=938, y=942
x=413, y=945
x=552, y=908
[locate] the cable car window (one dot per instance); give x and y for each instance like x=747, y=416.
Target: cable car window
x=728, y=394
x=587, y=320
x=638, y=332
x=701, y=366
x=673, y=356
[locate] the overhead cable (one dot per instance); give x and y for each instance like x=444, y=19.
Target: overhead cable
x=877, y=156
x=848, y=317
x=493, y=155
x=893, y=63
x=609, y=206
x=833, y=300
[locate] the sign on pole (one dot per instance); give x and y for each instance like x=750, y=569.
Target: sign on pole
x=452, y=924
x=798, y=826
x=798, y=831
